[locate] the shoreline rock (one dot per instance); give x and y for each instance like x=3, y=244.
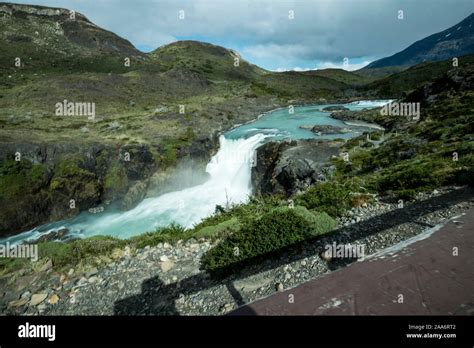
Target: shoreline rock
x=326, y=129
x=335, y=108
x=290, y=167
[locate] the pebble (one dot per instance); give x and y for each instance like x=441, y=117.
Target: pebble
x=166, y=266
x=53, y=299
x=26, y=295
x=92, y=272
x=18, y=303
x=36, y=299
x=81, y=281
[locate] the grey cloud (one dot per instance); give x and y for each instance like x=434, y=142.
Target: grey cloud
x=325, y=30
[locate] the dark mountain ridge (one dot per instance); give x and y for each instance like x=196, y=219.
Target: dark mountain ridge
x=455, y=41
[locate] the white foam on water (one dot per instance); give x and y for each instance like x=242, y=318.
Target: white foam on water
x=229, y=183
x=371, y=103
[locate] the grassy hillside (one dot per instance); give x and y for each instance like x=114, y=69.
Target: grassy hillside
x=57, y=40
x=348, y=77
x=412, y=78
x=72, y=59
x=213, y=62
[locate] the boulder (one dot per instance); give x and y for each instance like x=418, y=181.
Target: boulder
x=290, y=167
x=326, y=129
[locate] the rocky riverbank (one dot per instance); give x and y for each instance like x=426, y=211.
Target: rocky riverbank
x=166, y=279
x=41, y=178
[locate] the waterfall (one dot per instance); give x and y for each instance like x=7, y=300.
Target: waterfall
x=229, y=183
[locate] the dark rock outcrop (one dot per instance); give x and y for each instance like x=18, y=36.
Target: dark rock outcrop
x=287, y=168
x=88, y=174
x=326, y=129
x=335, y=108
x=53, y=181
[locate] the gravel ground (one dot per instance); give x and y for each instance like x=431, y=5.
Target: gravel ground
x=166, y=280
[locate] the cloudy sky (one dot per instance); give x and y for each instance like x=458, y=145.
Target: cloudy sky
x=277, y=34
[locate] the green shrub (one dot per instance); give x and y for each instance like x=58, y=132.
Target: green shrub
x=60, y=253
x=169, y=234
x=11, y=264
x=255, y=208
x=226, y=227
x=407, y=195
x=420, y=175
x=330, y=197
x=375, y=136
x=70, y=254
x=279, y=228
x=465, y=173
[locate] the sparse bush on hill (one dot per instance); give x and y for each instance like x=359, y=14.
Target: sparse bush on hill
x=331, y=197
x=279, y=228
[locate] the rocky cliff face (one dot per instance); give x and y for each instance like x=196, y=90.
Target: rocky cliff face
x=39, y=181
x=287, y=168
x=44, y=182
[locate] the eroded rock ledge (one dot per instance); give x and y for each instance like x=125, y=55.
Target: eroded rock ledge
x=289, y=167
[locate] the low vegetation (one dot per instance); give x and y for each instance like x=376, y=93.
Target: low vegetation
x=279, y=228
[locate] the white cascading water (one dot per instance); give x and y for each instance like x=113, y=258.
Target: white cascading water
x=229, y=183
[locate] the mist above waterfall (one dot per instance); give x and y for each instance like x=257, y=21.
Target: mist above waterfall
x=229, y=182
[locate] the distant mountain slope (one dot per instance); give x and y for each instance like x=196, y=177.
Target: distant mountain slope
x=341, y=75
x=215, y=62
x=66, y=30
x=412, y=78
x=44, y=37
x=453, y=42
